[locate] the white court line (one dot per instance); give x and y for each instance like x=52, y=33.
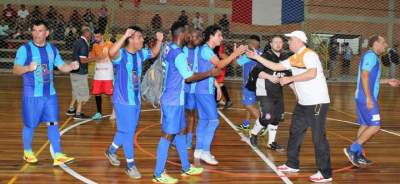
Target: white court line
x=68, y=169
x=258, y=151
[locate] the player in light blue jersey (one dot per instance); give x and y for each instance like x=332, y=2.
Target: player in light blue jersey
x=191, y=51
x=35, y=61
x=205, y=89
x=177, y=72
x=249, y=97
x=128, y=56
x=366, y=96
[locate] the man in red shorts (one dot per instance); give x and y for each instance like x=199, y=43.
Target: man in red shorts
x=103, y=74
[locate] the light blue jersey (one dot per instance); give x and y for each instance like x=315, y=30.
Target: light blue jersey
x=128, y=70
x=39, y=82
x=370, y=63
x=205, y=86
x=176, y=71
x=192, y=59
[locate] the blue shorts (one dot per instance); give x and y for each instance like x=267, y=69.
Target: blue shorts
x=173, y=119
x=39, y=109
x=127, y=117
x=248, y=97
x=368, y=117
x=190, y=101
x=206, y=107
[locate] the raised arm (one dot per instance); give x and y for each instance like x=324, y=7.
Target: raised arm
x=114, y=50
x=156, y=49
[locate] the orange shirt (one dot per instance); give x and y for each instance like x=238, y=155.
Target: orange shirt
x=100, y=51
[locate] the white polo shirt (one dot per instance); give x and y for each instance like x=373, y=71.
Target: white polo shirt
x=314, y=91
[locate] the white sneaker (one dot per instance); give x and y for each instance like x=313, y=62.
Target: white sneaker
x=197, y=153
x=285, y=168
x=318, y=178
x=208, y=158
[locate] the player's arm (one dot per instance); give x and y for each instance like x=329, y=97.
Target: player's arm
x=272, y=78
x=391, y=82
x=187, y=74
x=114, y=50
x=156, y=49
x=69, y=67
x=20, y=58
x=267, y=63
x=366, y=88
x=225, y=61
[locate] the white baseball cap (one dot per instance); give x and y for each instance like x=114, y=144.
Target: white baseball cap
x=298, y=34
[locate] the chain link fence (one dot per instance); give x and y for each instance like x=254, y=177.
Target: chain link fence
x=338, y=29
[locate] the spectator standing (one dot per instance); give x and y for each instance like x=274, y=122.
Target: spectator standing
x=197, y=22
x=183, y=18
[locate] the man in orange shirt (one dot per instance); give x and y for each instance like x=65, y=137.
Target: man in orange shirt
x=103, y=75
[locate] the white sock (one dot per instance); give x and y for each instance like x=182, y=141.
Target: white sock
x=272, y=133
x=256, y=128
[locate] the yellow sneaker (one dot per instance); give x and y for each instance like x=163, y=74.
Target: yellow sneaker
x=165, y=178
x=192, y=171
x=61, y=158
x=30, y=157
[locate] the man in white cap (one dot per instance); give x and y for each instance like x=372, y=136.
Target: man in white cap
x=312, y=106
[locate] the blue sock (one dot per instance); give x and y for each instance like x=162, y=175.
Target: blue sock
x=210, y=131
x=189, y=137
x=54, y=138
x=246, y=123
x=182, y=151
x=162, y=155
x=356, y=148
x=200, y=133
x=118, y=138
x=128, y=146
x=27, y=136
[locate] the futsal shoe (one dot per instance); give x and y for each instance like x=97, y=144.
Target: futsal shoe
x=353, y=158
x=61, y=158
x=113, y=158
x=275, y=146
x=253, y=140
x=363, y=161
x=165, y=178
x=228, y=105
x=70, y=112
x=208, y=158
x=244, y=126
x=285, y=168
x=97, y=116
x=197, y=153
x=133, y=172
x=318, y=178
x=81, y=116
x=193, y=171
x=30, y=157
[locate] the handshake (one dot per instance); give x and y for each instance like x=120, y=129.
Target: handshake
x=274, y=79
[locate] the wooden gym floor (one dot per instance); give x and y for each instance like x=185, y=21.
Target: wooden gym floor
x=239, y=163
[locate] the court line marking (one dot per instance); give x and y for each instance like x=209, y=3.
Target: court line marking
x=23, y=168
x=65, y=167
x=255, y=149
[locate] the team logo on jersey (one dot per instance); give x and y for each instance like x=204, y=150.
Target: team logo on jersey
x=42, y=73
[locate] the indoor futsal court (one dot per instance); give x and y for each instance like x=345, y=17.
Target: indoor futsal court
x=239, y=162
x=200, y=91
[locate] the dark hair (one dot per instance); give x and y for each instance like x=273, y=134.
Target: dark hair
x=176, y=28
x=40, y=23
x=277, y=36
x=98, y=31
x=255, y=37
x=210, y=30
x=137, y=29
x=372, y=40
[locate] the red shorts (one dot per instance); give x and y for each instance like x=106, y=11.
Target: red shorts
x=221, y=77
x=102, y=87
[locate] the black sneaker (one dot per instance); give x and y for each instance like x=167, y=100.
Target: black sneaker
x=275, y=146
x=364, y=161
x=81, y=116
x=253, y=140
x=70, y=112
x=228, y=105
x=353, y=158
